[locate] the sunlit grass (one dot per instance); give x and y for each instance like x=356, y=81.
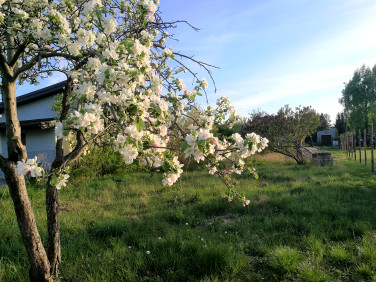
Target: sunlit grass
x=304, y=223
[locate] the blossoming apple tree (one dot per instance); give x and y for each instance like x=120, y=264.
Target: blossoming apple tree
x=123, y=90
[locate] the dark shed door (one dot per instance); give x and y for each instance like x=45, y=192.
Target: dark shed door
x=326, y=140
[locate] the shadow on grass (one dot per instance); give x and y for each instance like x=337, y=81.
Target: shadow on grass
x=271, y=239
x=314, y=226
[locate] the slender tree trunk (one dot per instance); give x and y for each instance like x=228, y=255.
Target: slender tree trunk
x=53, y=225
x=39, y=264
x=52, y=196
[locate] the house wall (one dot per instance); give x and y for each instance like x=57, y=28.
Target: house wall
x=39, y=142
x=3, y=144
x=39, y=109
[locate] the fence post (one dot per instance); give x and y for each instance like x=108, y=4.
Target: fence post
x=372, y=159
x=348, y=144
x=365, y=146
x=360, y=147
x=351, y=145
x=354, y=140
x=342, y=141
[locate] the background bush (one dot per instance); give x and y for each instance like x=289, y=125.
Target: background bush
x=102, y=161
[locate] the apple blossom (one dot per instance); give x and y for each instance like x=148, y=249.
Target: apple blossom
x=120, y=91
x=29, y=167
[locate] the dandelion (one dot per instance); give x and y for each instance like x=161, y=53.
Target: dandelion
x=148, y=252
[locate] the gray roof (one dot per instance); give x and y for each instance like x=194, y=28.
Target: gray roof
x=38, y=94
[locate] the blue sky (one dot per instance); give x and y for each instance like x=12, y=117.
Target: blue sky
x=274, y=52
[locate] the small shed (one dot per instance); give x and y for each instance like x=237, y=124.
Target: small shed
x=326, y=137
x=37, y=122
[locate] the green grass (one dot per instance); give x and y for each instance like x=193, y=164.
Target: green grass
x=369, y=154
x=304, y=223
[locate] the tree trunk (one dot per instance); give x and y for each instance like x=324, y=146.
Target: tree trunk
x=52, y=196
x=39, y=264
x=52, y=208
x=16, y=150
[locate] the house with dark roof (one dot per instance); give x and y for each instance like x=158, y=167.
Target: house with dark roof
x=37, y=123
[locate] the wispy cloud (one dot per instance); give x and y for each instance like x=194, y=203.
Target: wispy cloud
x=320, y=89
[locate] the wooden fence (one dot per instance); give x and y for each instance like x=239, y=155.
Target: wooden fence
x=350, y=142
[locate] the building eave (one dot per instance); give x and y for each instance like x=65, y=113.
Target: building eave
x=45, y=123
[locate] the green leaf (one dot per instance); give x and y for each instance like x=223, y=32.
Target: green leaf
x=132, y=109
x=165, y=166
x=144, y=23
x=158, y=111
x=140, y=124
x=138, y=145
x=184, y=146
x=107, y=73
x=250, y=145
x=98, y=13
x=201, y=145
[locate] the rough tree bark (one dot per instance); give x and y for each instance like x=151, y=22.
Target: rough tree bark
x=53, y=226
x=39, y=264
x=52, y=196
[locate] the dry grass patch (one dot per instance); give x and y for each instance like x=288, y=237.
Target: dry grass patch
x=274, y=157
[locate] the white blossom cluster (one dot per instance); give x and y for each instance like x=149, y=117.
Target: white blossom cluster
x=252, y=144
x=173, y=176
x=87, y=119
x=118, y=88
x=200, y=143
x=61, y=181
x=29, y=167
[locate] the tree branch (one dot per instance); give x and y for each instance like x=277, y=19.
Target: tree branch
x=4, y=66
x=45, y=55
x=17, y=54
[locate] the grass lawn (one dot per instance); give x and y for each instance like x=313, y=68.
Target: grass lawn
x=369, y=154
x=304, y=223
